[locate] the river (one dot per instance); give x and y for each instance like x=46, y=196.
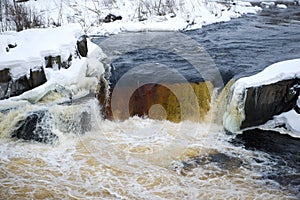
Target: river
x=142, y=158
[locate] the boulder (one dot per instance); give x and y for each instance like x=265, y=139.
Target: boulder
x=37, y=127
x=82, y=46
x=266, y=101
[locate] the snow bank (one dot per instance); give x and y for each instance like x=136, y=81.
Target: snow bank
x=277, y=72
x=187, y=15
x=32, y=46
x=147, y=15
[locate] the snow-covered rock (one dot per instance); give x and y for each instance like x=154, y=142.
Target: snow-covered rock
x=282, y=6
x=262, y=96
x=36, y=47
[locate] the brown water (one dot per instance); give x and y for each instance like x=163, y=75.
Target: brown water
x=134, y=159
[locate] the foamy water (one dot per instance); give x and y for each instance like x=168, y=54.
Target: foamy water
x=133, y=159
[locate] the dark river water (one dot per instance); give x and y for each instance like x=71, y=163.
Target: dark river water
x=240, y=47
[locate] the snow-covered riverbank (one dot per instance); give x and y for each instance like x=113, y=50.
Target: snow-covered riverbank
x=147, y=15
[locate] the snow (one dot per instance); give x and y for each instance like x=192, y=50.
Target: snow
x=35, y=44
x=291, y=120
x=282, y=6
x=280, y=71
x=178, y=14
x=189, y=15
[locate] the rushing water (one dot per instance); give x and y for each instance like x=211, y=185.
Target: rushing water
x=141, y=158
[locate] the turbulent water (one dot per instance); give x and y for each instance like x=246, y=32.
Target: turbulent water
x=142, y=158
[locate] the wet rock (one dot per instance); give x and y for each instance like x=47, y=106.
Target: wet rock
x=226, y=162
x=264, y=102
x=82, y=46
x=76, y=122
x=36, y=127
x=221, y=160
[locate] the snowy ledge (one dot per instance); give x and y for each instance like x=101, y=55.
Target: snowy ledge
x=281, y=71
x=31, y=47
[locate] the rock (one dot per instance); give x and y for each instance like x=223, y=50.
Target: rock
x=111, y=18
x=5, y=80
x=37, y=77
x=37, y=127
x=75, y=121
x=226, y=162
x=14, y=87
x=53, y=62
x=19, y=86
x=221, y=160
x=56, y=63
x=264, y=102
x=11, y=46
x=82, y=46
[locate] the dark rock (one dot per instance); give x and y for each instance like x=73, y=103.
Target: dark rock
x=5, y=79
x=11, y=46
x=223, y=161
x=226, y=162
x=51, y=61
x=14, y=87
x=36, y=127
x=111, y=18
x=82, y=46
x=19, y=86
x=264, y=102
x=37, y=77
x=5, y=76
